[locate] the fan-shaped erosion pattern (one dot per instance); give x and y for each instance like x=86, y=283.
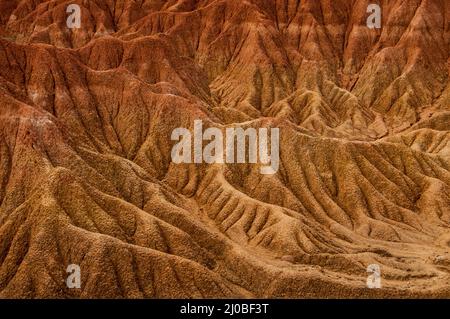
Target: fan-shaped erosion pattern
x=87, y=177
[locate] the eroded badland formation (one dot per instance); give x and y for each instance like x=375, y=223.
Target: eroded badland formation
x=86, y=175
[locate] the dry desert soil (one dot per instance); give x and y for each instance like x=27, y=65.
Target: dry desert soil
x=87, y=177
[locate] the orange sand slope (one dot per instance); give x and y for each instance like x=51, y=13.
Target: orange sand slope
x=87, y=178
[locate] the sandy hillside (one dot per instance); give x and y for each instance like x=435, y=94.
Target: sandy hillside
x=87, y=176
